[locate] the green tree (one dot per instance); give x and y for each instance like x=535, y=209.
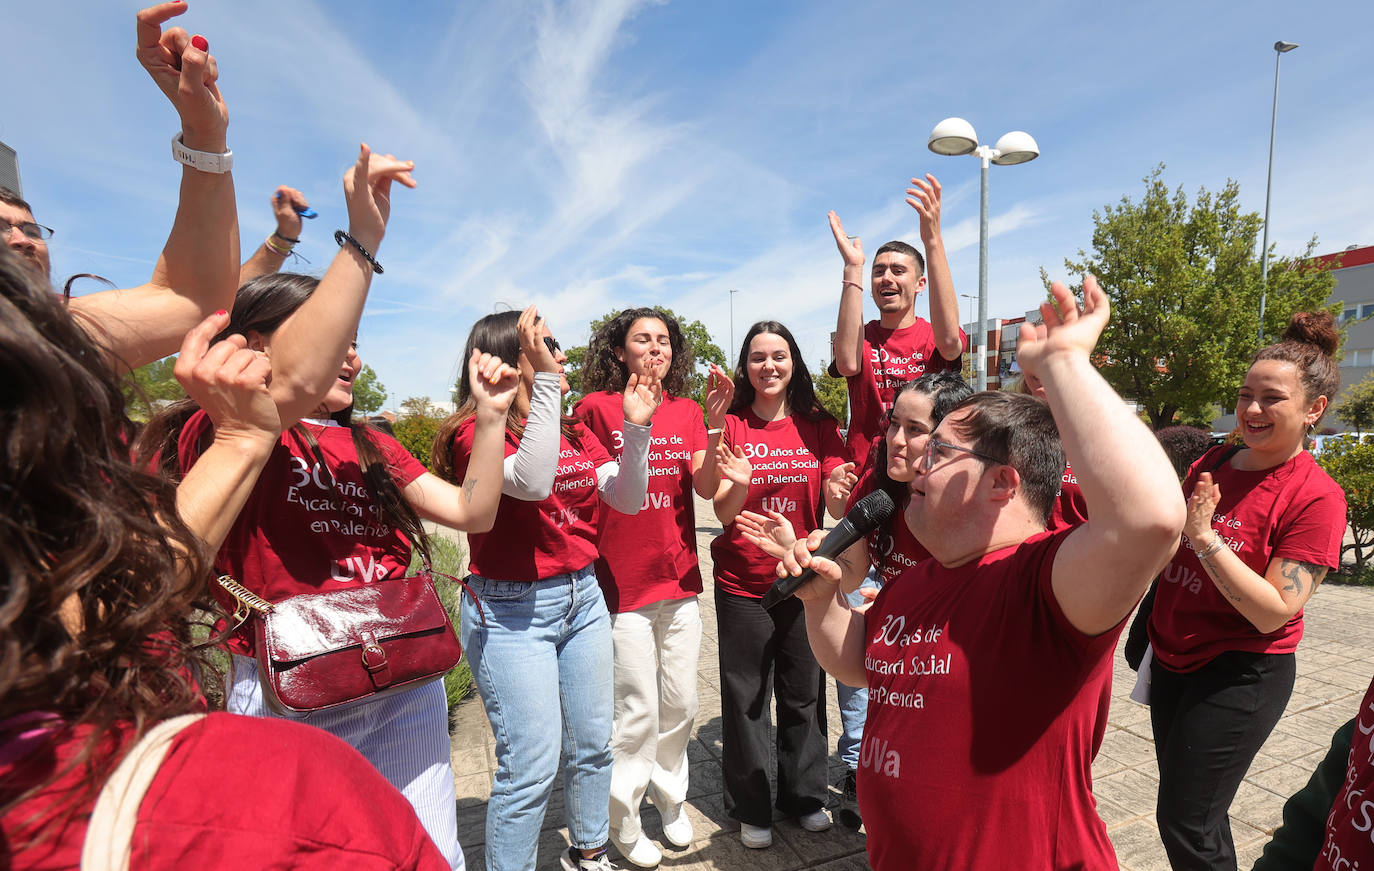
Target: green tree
x=369, y=394
x=417, y=426
x=1357, y=408
x=150, y=386
x=1184, y=285
x=1349, y=460
x=832, y=392
x=694, y=335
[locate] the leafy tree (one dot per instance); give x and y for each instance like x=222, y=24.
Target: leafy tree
x=1357, y=409
x=694, y=334
x=1349, y=460
x=832, y=391
x=369, y=394
x=417, y=426
x=149, y=386
x=1184, y=285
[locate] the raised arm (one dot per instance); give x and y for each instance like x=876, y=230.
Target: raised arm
x=310, y=345
x=1268, y=601
x=924, y=197
x=274, y=250
x=705, y=473
x=737, y=474
x=622, y=485
x=1134, y=513
x=472, y=506
x=529, y=472
x=848, y=345
x=197, y=272
x=229, y=382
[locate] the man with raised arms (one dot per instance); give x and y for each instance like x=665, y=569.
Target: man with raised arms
x=878, y=357
x=989, y=666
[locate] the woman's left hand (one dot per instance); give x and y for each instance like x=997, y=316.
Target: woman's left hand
x=643, y=393
x=1201, y=508
x=841, y=481
x=720, y=390
x=772, y=534
x=494, y=383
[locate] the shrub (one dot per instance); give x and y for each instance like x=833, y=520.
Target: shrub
x=447, y=555
x=1350, y=462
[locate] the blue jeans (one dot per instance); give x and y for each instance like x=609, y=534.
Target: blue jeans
x=853, y=701
x=544, y=669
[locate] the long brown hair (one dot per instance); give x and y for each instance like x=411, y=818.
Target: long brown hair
x=100, y=574
x=495, y=334
x=801, y=392
x=261, y=306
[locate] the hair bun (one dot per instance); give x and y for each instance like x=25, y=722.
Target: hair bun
x=1314, y=328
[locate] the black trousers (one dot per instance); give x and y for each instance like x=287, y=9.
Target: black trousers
x=1208, y=726
x=765, y=654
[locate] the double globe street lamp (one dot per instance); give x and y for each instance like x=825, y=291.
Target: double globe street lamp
x=955, y=136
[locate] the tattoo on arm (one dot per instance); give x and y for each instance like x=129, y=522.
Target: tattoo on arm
x=468, y=486
x=1300, y=575
x=1215, y=572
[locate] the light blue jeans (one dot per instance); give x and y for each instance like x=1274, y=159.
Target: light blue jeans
x=853, y=701
x=543, y=666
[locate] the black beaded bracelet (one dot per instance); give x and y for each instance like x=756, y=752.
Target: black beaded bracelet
x=341, y=237
x=287, y=239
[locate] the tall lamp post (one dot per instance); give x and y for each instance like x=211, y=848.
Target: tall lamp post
x=970, y=297
x=955, y=136
x=1280, y=49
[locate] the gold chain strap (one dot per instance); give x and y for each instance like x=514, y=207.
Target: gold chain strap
x=245, y=600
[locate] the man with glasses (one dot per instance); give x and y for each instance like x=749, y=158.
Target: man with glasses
x=22, y=234
x=989, y=666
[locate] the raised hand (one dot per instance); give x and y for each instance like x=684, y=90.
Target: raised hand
x=1201, y=508
x=720, y=390
x=367, y=191
x=643, y=393
x=228, y=381
x=1066, y=330
x=800, y=558
x=772, y=534
x=734, y=467
x=184, y=70
x=493, y=383
x=285, y=202
x=532, y=342
x=924, y=197
x=839, y=483
x=852, y=250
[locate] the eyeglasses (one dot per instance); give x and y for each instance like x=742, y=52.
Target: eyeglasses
x=935, y=445
x=552, y=344
x=36, y=232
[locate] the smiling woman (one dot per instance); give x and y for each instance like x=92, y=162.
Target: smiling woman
x=1262, y=531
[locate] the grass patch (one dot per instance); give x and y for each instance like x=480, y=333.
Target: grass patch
x=448, y=558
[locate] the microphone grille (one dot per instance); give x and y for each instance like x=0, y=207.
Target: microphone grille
x=873, y=509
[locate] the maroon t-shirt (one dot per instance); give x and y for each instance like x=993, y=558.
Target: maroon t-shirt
x=233, y=792
x=985, y=710
x=791, y=459
x=1070, y=508
x=1349, y=841
x=890, y=359
x=533, y=540
x=650, y=556
x=308, y=527
x=1293, y=510
x=892, y=548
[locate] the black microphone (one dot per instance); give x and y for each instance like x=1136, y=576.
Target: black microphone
x=867, y=515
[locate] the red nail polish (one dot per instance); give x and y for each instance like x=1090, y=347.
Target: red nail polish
x=200, y=42
x=221, y=311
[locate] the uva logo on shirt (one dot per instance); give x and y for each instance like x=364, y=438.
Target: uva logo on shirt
x=657, y=500
x=564, y=517
x=366, y=568
x=780, y=504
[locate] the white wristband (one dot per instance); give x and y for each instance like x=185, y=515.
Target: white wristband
x=205, y=161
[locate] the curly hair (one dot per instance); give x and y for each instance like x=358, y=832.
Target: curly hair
x=605, y=371
x=100, y=574
x=801, y=391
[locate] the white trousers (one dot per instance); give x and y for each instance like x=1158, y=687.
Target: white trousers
x=656, y=651
x=404, y=736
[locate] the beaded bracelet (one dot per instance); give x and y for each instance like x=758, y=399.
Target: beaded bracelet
x=1216, y=545
x=341, y=237
x=287, y=239
x=271, y=246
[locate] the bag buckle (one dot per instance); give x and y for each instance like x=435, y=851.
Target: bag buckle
x=375, y=662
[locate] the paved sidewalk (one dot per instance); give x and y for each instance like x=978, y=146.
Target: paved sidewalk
x=1334, y=669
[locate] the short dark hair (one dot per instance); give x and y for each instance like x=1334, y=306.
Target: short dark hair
x=11, y=198
x=901, y=247
x=1021, y=431
x=1183, y=445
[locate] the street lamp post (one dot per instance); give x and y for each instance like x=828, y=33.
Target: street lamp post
x=970, y=297
x=955, y=136
x=1280, y=49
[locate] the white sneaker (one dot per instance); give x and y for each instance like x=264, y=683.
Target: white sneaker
x=755, y=837
x=677, y=828
x=641, y=851
x=573, y=860
x=816, y=821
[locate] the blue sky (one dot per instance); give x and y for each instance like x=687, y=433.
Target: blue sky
x=591, y=155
